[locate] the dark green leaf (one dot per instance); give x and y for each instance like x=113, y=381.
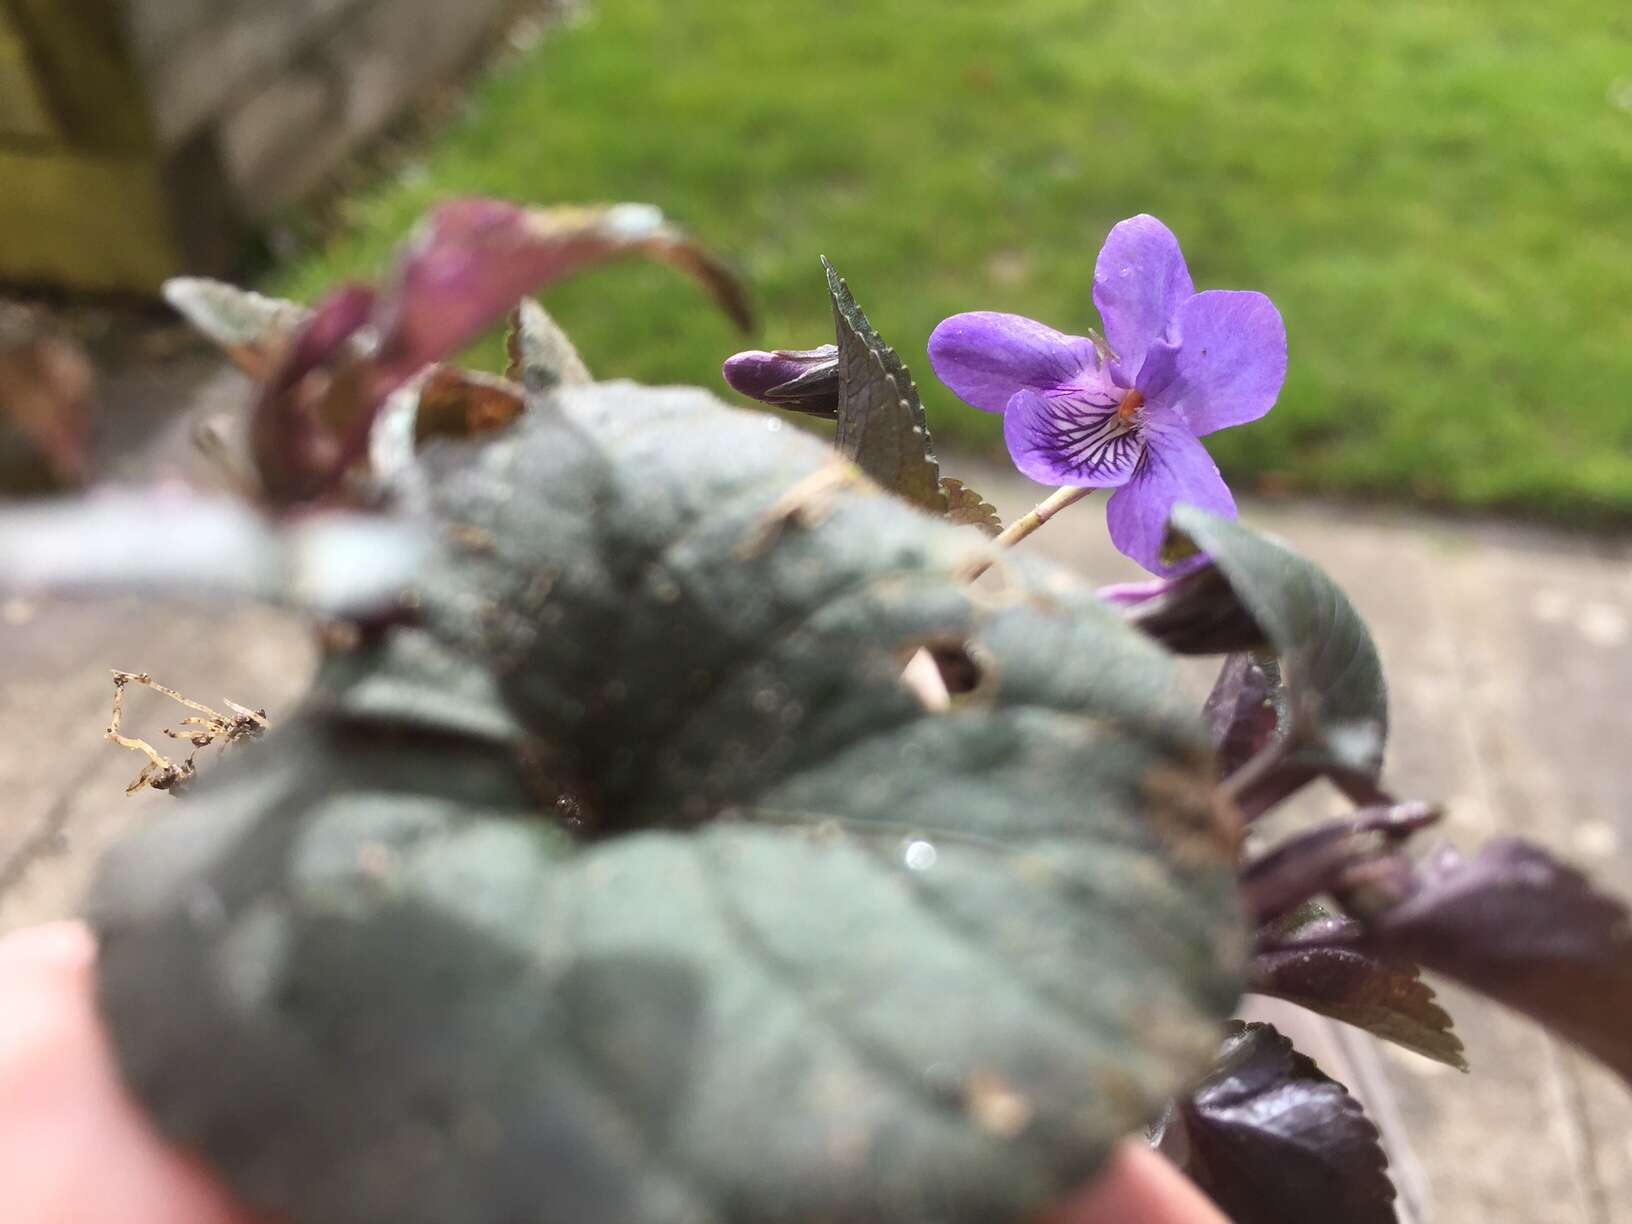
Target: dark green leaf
x=637, y=886
x=968, y=508
x=1322, y=967
x=881, y=419
x=1275, y=1141
x=541, y=355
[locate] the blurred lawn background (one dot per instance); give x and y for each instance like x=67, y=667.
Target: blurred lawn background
x=1437, y=195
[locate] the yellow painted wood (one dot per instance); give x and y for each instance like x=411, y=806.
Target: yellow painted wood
x=77, y=52
x=23, y=112
x=85, y=221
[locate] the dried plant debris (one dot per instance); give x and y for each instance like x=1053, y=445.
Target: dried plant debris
x=199, y=729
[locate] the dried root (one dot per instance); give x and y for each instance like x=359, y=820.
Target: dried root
x=201, y=729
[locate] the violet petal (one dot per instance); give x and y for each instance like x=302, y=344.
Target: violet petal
x=1175, y=469
x=1223, y=363
x=1070, y=440
x=1139, y=281
x=985, y=357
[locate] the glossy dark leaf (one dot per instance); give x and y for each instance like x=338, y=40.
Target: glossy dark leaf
x=1514, y=923
x=1274, y=1141
x=633, y=884
x=882, y=425
x=1322, y=967
x=968, y=508
x=541, y=355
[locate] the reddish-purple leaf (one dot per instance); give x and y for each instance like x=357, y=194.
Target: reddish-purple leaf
x=1325, y=856
x=473, y=260
x=1242, y=711
x=1274, y=1141
x=1316, y=964
x=1530, y=932
x=466, y=268
x=317, y=392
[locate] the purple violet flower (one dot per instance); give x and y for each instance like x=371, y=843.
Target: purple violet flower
x=1178, y=365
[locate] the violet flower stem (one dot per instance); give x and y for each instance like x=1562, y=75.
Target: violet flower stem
x=1032, y=520
x=1040, y=514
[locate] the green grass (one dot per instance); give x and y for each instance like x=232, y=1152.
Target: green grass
x=1437, y=195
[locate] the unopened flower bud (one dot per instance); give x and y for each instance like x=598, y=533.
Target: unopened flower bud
x=800, y=380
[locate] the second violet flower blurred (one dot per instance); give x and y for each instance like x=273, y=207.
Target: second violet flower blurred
x=1180, y=365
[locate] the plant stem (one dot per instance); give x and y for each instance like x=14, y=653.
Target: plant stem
x=1032, y=520
x=1040, y=514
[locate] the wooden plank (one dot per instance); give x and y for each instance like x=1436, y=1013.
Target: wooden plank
x=90, y=221
x=83, y=67
x=24, y=115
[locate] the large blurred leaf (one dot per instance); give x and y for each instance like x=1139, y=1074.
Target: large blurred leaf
x=1325, y=970
x=637, y=886
x=882, y=425
x=1274, y=1141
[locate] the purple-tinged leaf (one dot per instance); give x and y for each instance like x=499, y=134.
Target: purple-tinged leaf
x=1516, y=924
x=1194, y=614
x=1244, y=709
x=1315, y=963
x=1274, y=1141
x=1325, y=856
